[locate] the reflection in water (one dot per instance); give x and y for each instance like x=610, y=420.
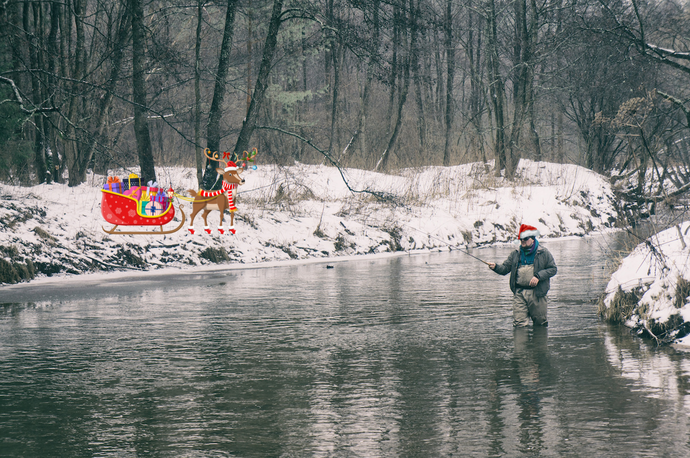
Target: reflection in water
x=659, y=372
x=412, y=356
x=531, y=360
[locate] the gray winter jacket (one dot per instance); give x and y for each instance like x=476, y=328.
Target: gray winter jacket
x=544, y=269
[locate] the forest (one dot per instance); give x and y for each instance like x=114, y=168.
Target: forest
x=91, y=85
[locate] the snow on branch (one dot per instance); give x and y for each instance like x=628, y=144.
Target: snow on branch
x=664, y=52
x=19, y=100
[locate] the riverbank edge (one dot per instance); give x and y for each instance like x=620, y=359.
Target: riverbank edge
x=94, y=278
x=649, y=292
x=302, y=212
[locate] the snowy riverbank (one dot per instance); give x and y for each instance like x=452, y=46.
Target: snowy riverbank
x=650, y=290
x=302, y=212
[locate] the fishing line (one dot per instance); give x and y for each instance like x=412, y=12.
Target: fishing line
x=450, y=246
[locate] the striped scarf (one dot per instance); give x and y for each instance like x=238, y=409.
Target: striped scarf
x=226, y=187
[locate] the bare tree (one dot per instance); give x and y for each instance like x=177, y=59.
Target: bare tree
x=259, y=92
x=141, y=125
x=214, y=117
x=450, y=81
x=410, y=23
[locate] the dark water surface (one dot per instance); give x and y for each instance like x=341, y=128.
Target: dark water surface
x=413, y=356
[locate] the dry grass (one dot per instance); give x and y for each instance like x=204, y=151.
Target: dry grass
x=682, y=292
x=622, y=306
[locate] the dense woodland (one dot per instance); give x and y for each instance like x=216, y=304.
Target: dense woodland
x=373, y=84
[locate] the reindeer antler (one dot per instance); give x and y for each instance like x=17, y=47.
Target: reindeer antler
x=215, y=156
x=249, y=157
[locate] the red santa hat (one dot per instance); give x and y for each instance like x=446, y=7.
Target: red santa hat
x=230, y=166
x=528, y=231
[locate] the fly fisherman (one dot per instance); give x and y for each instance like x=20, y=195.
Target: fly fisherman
x=530, y=268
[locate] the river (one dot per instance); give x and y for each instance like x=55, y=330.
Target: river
x=409, y=356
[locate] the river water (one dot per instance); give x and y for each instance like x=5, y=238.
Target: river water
x=410, y=356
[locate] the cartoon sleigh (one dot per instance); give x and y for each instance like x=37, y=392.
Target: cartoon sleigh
x=122, y=210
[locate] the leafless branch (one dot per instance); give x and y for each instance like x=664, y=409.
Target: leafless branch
x=19, y=100
x=378, y=195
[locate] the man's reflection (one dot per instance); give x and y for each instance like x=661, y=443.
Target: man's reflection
x=531, y=363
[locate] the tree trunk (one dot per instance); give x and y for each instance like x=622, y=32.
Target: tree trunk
x=33, y=30
x=450, y=77
x=521, y=86
x=262, y=79
x=52, y=45
x=360, y=137
x=210, y=180
x=78, y=66
x=109, y=89
x=419, y=94
x=477, y=89
x=197, y=96
x=334, y=100
x=419, y=98
x=395, y=64
x=332, y=65
x=141, y=125
x=496, y=89
x=382, y=163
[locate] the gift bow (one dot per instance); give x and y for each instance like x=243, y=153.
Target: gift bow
x=113, y=180
x=153, y=184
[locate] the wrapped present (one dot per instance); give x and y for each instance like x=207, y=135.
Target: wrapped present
x=141, y=206
x=151, y=188
x=161, y=198
x=134, y=192
x=114, y=185
x=154, y=208
x=132, y=181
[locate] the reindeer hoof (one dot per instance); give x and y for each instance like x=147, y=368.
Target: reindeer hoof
x=207, y=230
x=232, y=231
x=221, y=230
x=191, y=230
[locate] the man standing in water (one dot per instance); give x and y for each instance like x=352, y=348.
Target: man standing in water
x=530, y=269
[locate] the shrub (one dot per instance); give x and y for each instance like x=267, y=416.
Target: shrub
x=622, y=306
x=215, y=255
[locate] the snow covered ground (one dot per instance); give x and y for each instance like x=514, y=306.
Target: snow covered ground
x=650, y=290
x=302, y=212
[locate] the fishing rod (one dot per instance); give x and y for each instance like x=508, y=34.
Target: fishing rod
x=473, y=256
x=451, y=246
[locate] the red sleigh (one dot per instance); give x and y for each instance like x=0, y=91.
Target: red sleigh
x=122, y=210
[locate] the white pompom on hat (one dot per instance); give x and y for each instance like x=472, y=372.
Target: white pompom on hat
x=528, y=231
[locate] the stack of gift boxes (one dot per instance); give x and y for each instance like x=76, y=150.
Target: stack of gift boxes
x=151, y=199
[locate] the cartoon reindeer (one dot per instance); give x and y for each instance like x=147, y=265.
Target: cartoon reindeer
x=221, y=199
